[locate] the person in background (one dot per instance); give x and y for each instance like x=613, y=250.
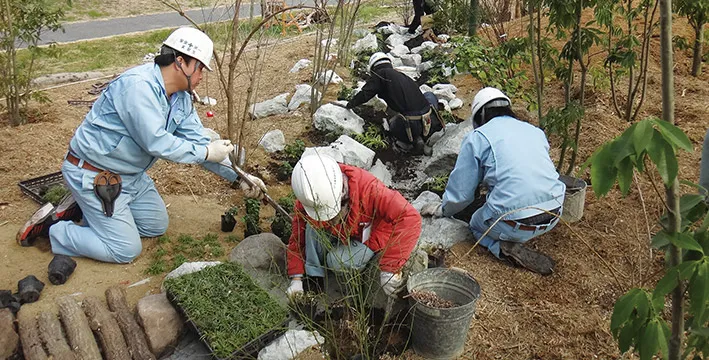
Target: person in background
x=413, y=116
x=344, y=216
x=525, y=195
x=144, y=115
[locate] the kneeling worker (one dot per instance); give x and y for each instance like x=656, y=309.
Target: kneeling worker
x=344, y=216
x=144, y=115
x=414, y=116
x=524, y=191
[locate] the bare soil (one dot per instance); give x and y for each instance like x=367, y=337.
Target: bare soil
x=520, y=315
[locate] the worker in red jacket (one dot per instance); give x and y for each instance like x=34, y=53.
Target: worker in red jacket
x=344, y=216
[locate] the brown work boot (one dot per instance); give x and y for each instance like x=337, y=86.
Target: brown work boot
x=527, y=258
x=48, y=215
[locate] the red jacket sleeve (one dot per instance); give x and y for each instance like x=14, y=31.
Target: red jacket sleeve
x=396, y=228
x=296, y=243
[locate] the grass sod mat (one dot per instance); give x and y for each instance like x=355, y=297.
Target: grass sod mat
x=228, y=309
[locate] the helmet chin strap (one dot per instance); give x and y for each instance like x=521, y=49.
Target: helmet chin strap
x=189, y=79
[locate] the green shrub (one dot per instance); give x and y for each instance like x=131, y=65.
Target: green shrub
x=372, y=138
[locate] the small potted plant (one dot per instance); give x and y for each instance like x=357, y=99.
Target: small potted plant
x=229, y=219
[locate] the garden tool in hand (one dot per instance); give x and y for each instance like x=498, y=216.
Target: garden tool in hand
x=107, y=187
x=246, y=178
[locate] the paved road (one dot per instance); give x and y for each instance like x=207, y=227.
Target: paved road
x=119, y=26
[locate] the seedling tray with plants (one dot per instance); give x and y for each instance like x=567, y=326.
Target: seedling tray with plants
x=36, y=188
x=232, y=315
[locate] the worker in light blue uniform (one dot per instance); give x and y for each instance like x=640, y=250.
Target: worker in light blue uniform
x=525, y=194
x=144, y=115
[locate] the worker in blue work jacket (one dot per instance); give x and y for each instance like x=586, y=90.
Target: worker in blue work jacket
x=144, y=115
x=525, y=195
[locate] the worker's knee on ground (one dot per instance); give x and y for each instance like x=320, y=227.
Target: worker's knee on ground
x=128, y=252
x=154, y=227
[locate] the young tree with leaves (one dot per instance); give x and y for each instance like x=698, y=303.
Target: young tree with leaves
x=697, y=12
x=21, y=23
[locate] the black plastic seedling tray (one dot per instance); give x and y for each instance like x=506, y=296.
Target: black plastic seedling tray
x=36, y=187
x=248, y=351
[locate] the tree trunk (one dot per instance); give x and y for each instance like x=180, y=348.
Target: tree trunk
x=533, y=53
x=106, y=329
x=29, y=337
x=474, y=18
x=132, y=332
x=77, y=329
x=50, y=329
x=698, y=41
x=672, y=192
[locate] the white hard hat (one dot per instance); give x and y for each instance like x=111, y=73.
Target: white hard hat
x=487, y=95
x=376, y=58
x=193, y=43
x=317, y=183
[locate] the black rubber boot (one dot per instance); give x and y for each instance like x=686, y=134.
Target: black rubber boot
x=29, y=289
x=60, y=268
x=527, y=258
x=15, y=304
x=5, y=298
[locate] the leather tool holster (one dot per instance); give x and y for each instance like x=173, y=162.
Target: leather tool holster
x=107, y=187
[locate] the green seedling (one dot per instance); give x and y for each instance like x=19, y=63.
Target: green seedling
x=160, y=253
x=232, y=211
x=372, y=138
x=178, y=260
x=157, y=267
x=55, y=194
x=438, y=184
x=216, y=251
x=251, y=219
x=210, y=239
x=227, y=307
x=185, y=239
x=163, y=240
x=292, y=152
x=345, y=93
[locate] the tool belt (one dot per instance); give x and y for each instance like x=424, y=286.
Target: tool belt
x=425, y=120
x=107, y=185
x=539, y=221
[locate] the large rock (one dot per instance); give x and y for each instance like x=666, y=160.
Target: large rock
x=161, y=323
x=413, y=60
x=366, y=44
x=328, y=151
x=290, y=344
x=302, y=95
x=399, y=51
x=329, y=76
x=380, y=171
x=427, y=45
x=273, y=141
x=275, y=106
x=396, y=62
x=393, y=29
x=332, y=118
x=450, y=87
x=444, y=93
x=360, y=33
x=9, y=340
x=408, y=71
x=425, y=198
x=377, y=103
x=354, y=153
x=456, y=103
x=300, y=65
x=425, y=88
x=263, y=251
x=398, y=39
x=445, y=150
x=443, y=233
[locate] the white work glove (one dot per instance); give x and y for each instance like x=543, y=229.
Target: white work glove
x=295, y=288
x=432, y=209
x=218, y=150
x=254, y=192
x=391, y=283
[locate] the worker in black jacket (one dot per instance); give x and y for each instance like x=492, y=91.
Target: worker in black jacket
x=413, y=115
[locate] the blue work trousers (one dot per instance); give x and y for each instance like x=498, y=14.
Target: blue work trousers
x=325, y=252
x=138, y=211
x=483, y=218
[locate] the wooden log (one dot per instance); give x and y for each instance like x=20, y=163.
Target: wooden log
x=106, y=329
x=132, y=332
x=29, y=337
x=81, y=339
x=50, y=330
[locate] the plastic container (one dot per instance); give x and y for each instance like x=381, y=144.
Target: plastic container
x=440, y=333
x=36, y=187
x=574, y=199
x=248, y=351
